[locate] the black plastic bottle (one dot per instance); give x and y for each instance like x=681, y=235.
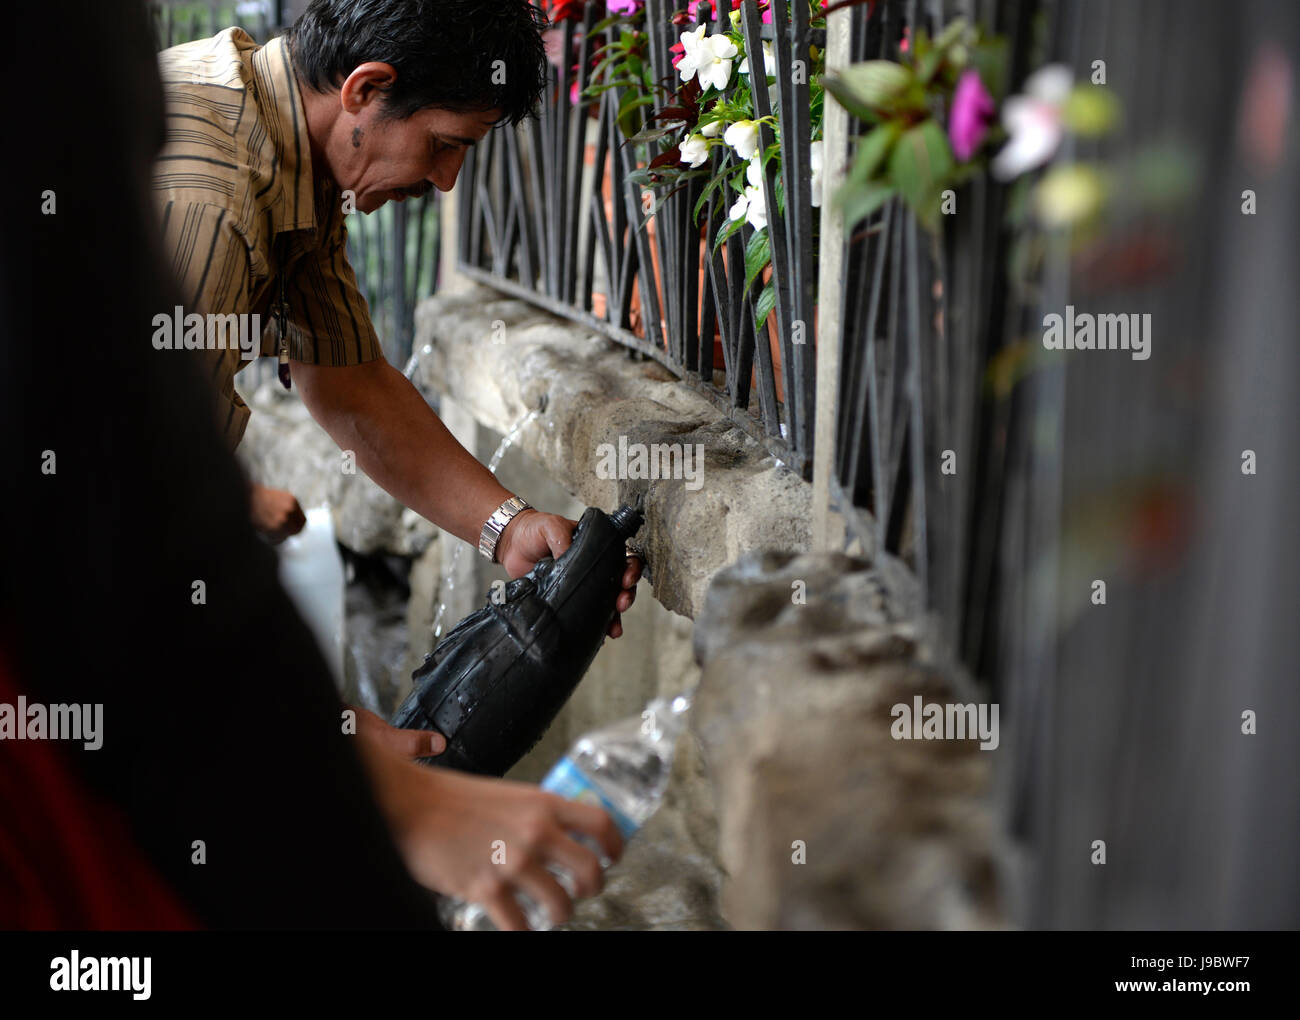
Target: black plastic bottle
x=493, y=686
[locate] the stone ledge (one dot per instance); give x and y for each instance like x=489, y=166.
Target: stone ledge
x=793, y=715
x=502, y=358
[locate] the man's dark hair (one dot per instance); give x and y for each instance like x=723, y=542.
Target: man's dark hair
x=445, y=52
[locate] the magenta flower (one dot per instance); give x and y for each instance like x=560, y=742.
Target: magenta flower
x=623, y=7
x=971, y=114
x=553, y=42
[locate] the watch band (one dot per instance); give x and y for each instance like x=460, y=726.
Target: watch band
x=494, y=525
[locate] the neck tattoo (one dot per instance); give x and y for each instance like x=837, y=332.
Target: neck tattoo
x=356, y=138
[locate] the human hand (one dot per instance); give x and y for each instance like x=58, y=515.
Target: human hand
x=532, y=535
x=275, y=513
x=485, y=840
x=407, y=743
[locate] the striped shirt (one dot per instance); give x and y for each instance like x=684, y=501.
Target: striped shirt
x=241, y=211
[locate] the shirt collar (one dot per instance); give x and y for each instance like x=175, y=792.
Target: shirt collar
x=280, y=103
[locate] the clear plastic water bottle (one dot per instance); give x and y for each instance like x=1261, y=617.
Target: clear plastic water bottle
x=623, y=768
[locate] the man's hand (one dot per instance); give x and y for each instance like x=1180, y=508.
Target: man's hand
x=483, y=840
x=275, y=513
x=374, y=729
x=373, y=410
x=532, y=535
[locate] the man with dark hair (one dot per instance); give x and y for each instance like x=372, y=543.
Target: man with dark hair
x=361, y=103
x=222, y=790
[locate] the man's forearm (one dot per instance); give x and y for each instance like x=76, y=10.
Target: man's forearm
x=374, y=411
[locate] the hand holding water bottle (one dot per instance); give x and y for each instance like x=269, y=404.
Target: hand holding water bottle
x=491, y=840
x=623, y=768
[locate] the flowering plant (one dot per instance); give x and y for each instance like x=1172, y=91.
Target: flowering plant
x=704, y=125
x=908, y=152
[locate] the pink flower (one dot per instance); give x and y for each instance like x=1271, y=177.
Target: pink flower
x=678, y=51
x=553, y=41
x=971, y=114
x=623, y=6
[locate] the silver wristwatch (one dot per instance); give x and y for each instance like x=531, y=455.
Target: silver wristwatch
x=494, y=525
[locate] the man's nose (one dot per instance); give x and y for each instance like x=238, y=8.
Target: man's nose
x=446, y=170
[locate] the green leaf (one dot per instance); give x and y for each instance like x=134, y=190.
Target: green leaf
x=951, y=34
x=989, y=58
x=763, y=307
x=628, y=121
x=632, y=101
x=860, y=200
x=872, y=150
x=709, y=189
x=928, y=66
x=920, y=45
x=654, y=134
x=869, y=86
x=758, y=254
x=919, y=167
x=727, y=231
x=604, y=23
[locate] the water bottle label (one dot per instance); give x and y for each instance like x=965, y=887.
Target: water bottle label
x=571, y=783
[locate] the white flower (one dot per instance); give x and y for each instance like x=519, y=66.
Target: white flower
x=751, y=204
x=743, y=137
x=769, y=61
x=1033, y=120
x=756, y=213
x=708, y=59
x=692, y=47
x=695, y=150
x=713, y=129
x=815, y=165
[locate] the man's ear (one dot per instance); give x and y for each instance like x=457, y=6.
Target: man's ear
x=365, y=85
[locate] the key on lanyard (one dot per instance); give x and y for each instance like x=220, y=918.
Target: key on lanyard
x=282, y=370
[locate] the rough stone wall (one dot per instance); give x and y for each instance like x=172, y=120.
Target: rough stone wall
x=793, y=713
x=790, y=744
x=501, y=358
x=669, y=878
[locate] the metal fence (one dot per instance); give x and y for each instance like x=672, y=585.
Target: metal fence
x=556, y=213
x=918, y=442
x=393, y=250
